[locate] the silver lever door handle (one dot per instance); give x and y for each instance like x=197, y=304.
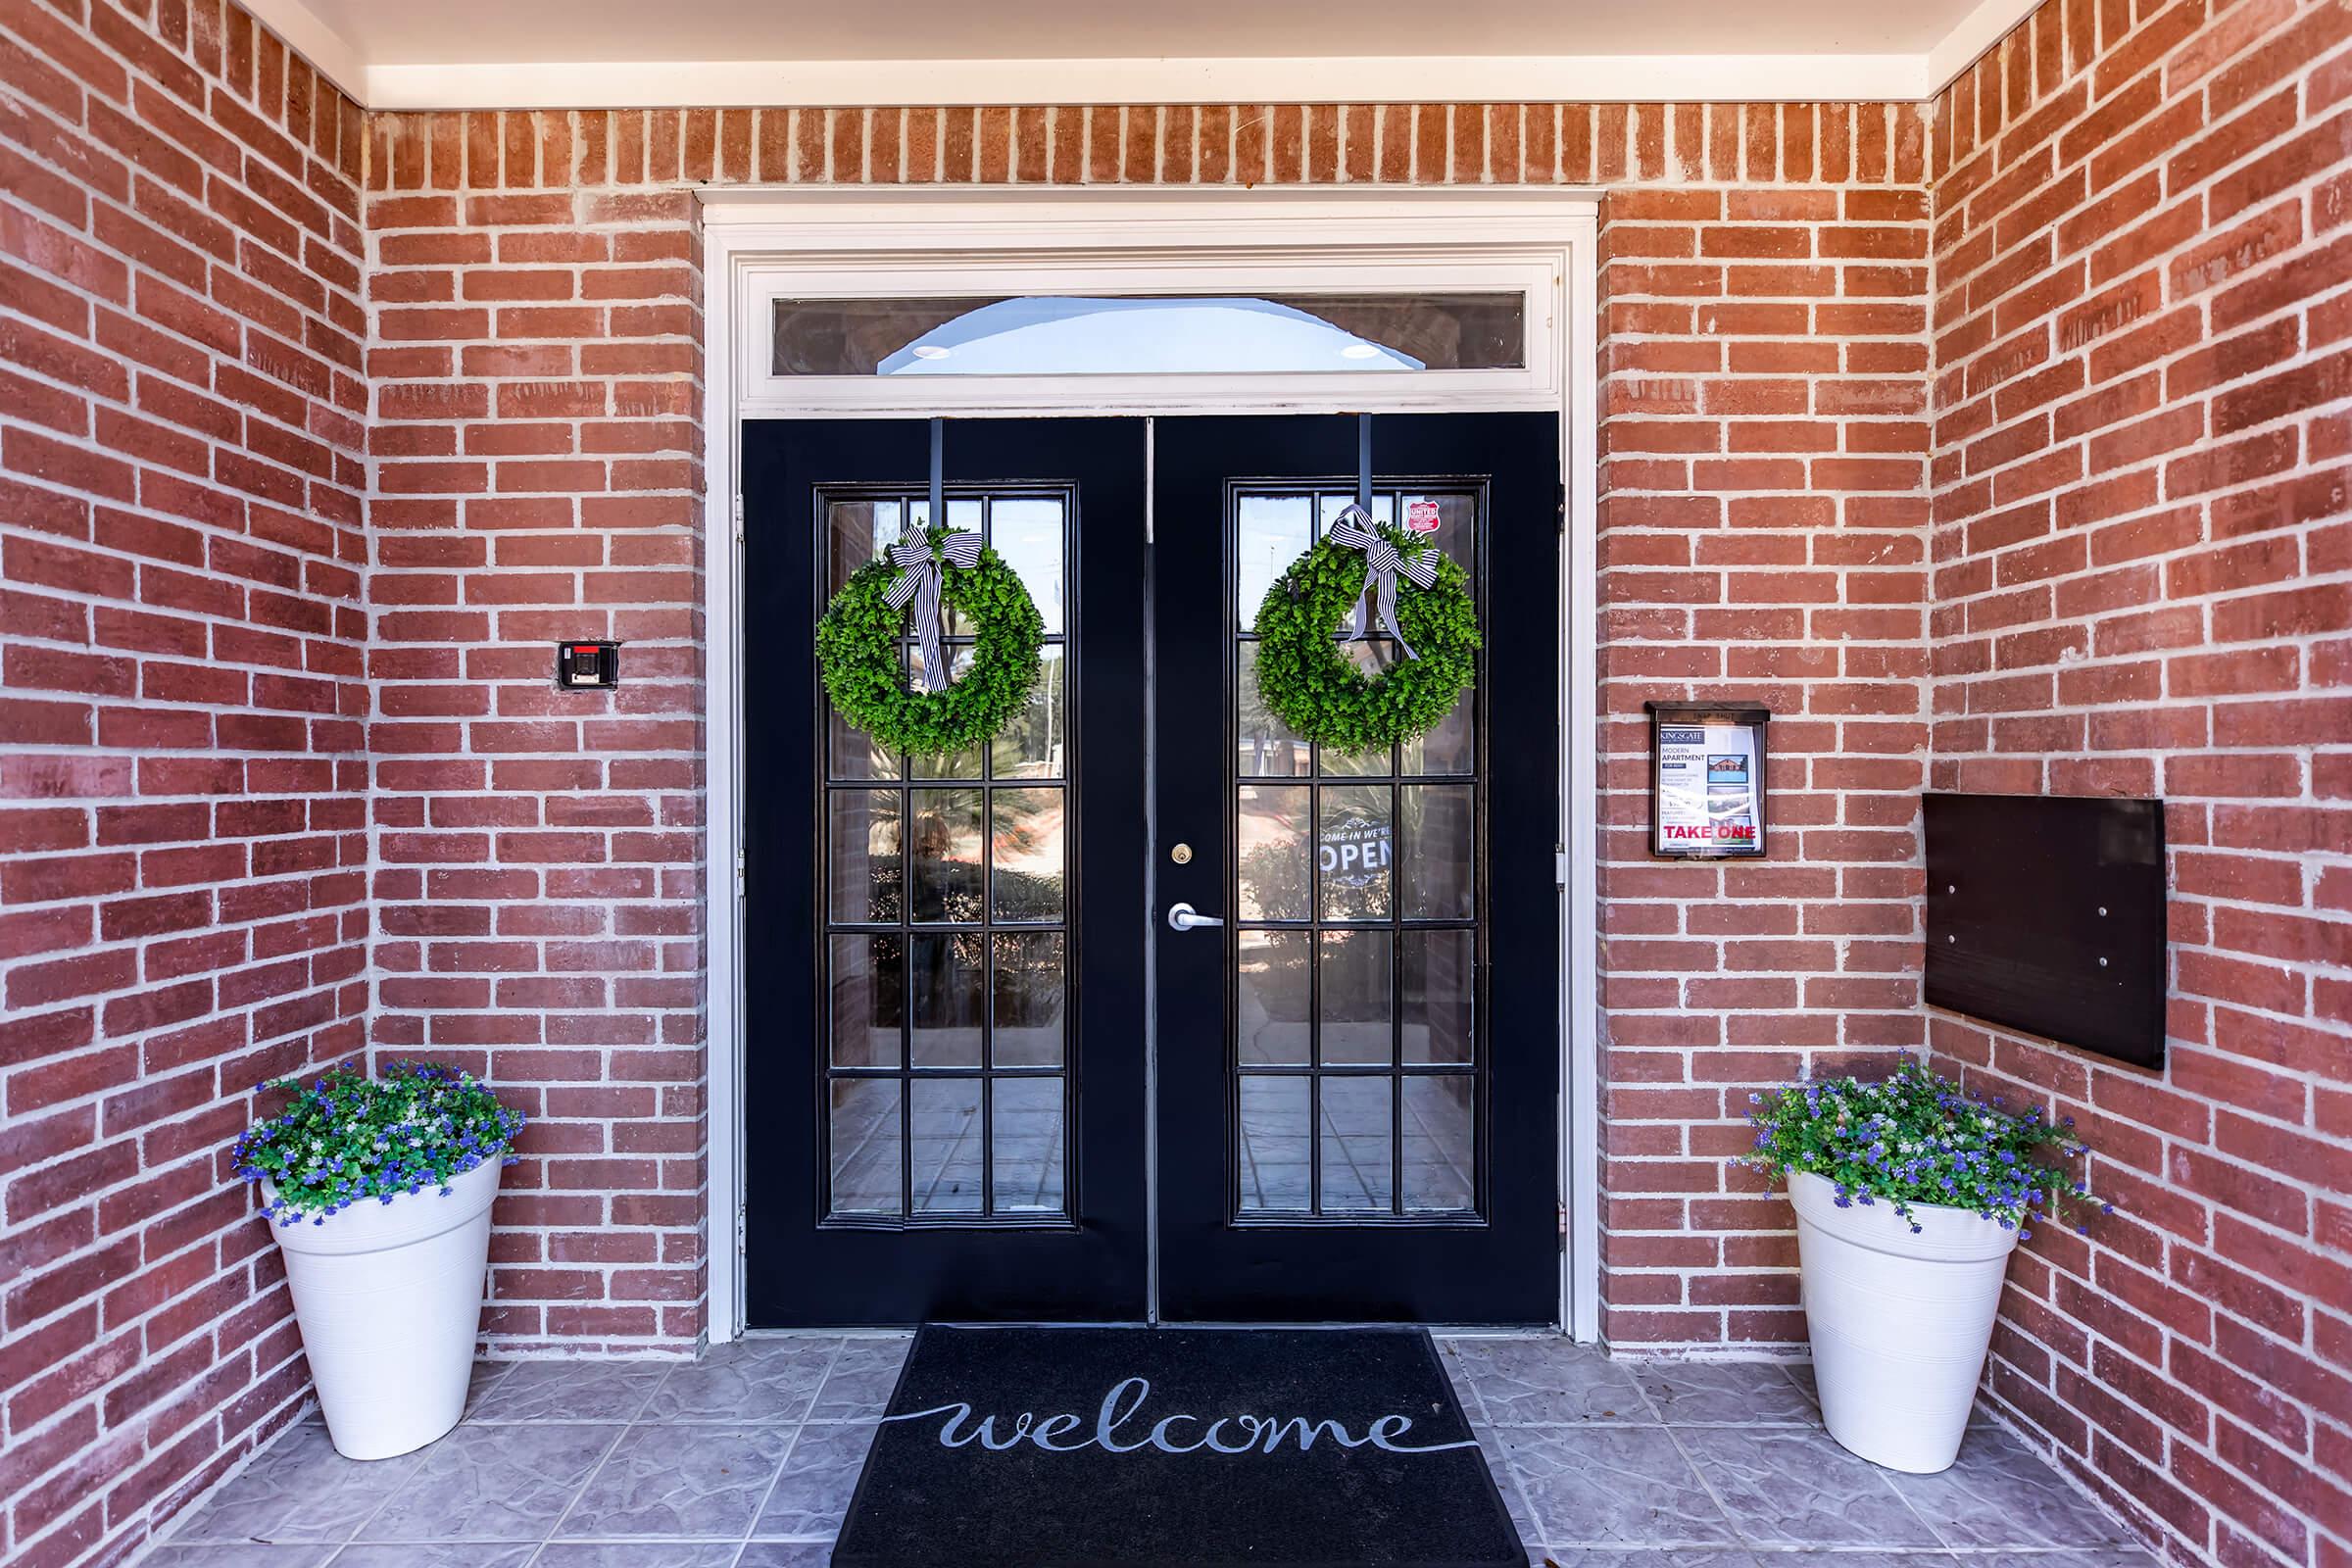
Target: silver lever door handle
x=1183, y=917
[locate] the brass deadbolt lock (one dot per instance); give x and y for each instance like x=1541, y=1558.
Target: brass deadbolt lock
x=1182, y=855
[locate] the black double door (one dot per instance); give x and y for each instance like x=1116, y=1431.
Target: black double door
x=985, y=1078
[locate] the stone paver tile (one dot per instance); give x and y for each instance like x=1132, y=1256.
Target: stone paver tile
x=1794, y=1486
x=571, y=1390
x=755, y=1381
x=299, y=1489
x=2001, y=1492
x=1611, y=1486
x=813, y=1492
x=488, y=1483
x=1542, y=1382
x=1726, y=1394
x=636, y=1555
x=859, y=1385
x=680, y=1481
x=436, y=1554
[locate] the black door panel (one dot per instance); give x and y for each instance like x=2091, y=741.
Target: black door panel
x=944, y=1065
x=1358, y=1076
x=946, y=957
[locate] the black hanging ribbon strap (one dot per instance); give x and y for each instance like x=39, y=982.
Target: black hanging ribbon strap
x=920, y=577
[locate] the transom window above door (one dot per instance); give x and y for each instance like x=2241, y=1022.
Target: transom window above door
x=1096, y=327
x=1173, y=334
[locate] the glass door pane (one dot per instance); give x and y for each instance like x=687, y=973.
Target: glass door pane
x=945, y=964
x=1356, y=882
x=1357, y=1077
x=947, y=901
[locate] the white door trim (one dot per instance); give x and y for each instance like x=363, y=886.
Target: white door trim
x=760, y=243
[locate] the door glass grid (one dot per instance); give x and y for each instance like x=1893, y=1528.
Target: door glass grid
x=1357, y=1059
x=947, y=900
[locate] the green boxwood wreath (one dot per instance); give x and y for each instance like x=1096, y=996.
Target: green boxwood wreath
x=1309, y=684
x=858, y=655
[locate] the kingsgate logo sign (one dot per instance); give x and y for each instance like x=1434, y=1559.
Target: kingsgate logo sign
x=1118, y=1428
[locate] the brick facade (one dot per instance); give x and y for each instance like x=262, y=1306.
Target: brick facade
x=1996, y=442
x=537, y=371
x=1763, y=536
x=183, y=901
x=536, y=362
x=2144, y=586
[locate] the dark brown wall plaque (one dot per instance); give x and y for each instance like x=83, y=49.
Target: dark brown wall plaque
x=2046, y=914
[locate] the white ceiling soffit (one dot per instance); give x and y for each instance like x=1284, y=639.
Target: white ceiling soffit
x=624, y=54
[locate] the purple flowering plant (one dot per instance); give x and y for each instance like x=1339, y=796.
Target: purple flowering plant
x=349, y=1137
x=1919, y=1137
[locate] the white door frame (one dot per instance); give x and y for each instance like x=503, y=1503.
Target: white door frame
x=761, y=244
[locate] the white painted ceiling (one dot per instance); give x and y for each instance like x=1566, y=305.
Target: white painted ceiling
x=470, y=32
x=446, y=53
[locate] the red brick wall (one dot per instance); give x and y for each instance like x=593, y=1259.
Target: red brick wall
x=536, y=363
x=1847, y=382
x=2144, y=586
x=182, y=770
x=1763, y=536
x=536, y=370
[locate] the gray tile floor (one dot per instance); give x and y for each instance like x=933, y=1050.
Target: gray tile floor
x=746, y=1458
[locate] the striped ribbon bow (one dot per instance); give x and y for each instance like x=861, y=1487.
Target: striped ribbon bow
x=919, y=580
x=1353, y=529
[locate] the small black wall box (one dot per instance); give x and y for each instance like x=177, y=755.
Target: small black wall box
x=2046, y=913
x=587, y=667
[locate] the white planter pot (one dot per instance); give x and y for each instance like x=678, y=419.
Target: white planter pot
x=389, y=1299
x=1899, y=1322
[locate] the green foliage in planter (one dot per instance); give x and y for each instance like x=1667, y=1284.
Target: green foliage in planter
x=1307, y=682
x=857, y=654
x=349, y=1136
x=1919, y=1137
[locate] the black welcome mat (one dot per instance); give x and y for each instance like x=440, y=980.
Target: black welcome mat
x=1061, y=1448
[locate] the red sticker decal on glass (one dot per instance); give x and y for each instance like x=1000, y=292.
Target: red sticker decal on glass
x=1422, y=516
